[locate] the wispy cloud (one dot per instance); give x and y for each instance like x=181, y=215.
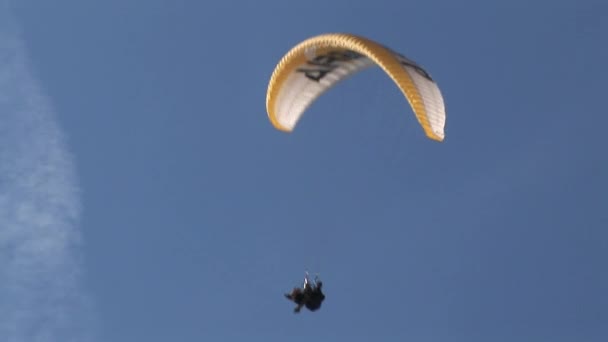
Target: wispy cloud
x=41, y=298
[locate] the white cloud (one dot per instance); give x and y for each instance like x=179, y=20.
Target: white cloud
x=41, y=296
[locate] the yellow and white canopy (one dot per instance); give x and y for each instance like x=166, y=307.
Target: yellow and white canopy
x=313, y=66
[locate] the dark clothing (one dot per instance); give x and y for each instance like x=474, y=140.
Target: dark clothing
x=314, y=302
x=310, y=296
x=297, y=296
x=315, y=298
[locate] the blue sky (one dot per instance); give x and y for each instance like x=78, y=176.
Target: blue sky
x=175, y=212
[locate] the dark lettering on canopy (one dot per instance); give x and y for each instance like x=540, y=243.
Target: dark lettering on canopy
x=321, y=65
x=408, y=62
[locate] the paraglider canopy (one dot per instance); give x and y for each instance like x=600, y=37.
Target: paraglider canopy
x=313, y=66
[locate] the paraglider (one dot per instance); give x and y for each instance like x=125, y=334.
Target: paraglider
x=312, y=67
x=309, y=295
x=315, y=65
